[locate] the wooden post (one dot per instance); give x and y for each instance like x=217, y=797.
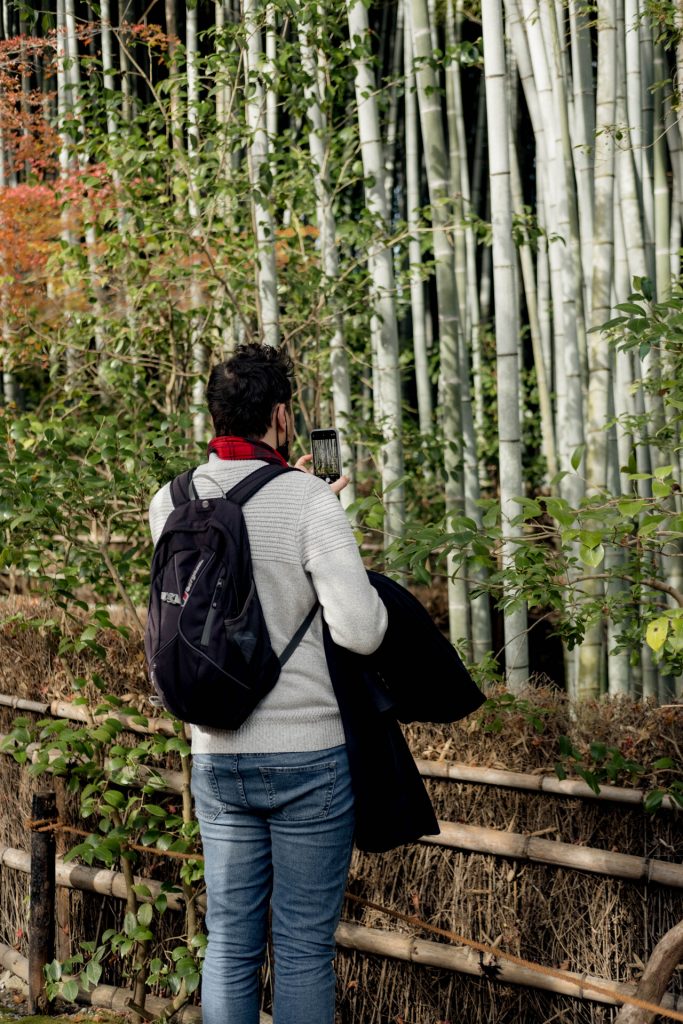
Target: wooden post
x=41, y=928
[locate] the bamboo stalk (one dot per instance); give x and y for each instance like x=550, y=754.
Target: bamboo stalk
x=421, y=951
x=506, y=325
x=87, y=879
x=108, y=997
x=171, y=781
x=547, y=851
x=264, y=229
x=474, y=838
x=13, y=961
x=451, y=384
x=380, y=261
x=369, y=940
x=535, y=783
x=80, y=713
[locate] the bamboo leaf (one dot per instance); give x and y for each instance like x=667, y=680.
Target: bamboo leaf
x=577, y=456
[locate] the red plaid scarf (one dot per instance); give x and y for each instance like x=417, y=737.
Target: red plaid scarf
x=243, y=448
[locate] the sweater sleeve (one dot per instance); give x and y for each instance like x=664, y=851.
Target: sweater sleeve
x=352, y=608
x=159, y=510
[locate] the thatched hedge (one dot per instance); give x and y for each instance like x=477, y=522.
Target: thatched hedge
x=558, y=917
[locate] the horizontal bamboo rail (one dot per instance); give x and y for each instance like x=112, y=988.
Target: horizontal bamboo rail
x=534, y=783
x=107, y=997
x=402, y=946
x=474, y=774
x=497, y=843
x=11, y=960
x=80, y=713
x=547, y=851
x=88, y=879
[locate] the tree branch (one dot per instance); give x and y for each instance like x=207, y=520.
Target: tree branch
x=653, y=984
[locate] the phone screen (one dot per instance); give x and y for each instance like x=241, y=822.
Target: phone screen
x=325, y=451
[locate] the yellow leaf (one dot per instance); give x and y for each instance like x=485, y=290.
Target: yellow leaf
x=657, y=632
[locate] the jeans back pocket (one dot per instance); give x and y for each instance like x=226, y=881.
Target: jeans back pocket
x=300, y=792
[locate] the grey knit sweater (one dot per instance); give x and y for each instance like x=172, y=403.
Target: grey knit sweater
x=302, y=547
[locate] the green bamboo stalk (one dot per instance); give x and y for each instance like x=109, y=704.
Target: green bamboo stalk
x=264, y=227
x=319, y=148
x=417, y=303
x=516, y=647
x=382, y=273
x=451, y=383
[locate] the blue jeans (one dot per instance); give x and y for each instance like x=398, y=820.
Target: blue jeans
x=276, y=829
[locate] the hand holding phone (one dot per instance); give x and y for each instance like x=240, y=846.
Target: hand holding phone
x=326, y=454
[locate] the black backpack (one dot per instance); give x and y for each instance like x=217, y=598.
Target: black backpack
x=208, y=650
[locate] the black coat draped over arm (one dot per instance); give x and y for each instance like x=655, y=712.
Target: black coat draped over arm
x=414, y=675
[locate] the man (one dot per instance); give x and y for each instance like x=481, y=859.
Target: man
x=273, y=798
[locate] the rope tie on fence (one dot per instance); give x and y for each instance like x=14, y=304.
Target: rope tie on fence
x=47, y=825
x=499, y=954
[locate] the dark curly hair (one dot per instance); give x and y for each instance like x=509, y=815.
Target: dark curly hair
x=243, y=391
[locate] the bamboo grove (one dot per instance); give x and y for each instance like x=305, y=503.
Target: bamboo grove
x=465, y=224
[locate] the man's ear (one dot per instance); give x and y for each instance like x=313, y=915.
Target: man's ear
x=281, y=417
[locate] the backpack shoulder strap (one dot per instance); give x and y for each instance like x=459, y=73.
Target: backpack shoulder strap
x=180, y=488
x=299, y=635
x=247, y=488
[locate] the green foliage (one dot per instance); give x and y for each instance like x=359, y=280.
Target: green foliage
x=497, y=709
x=624, y=537
x=124, y=804
x=76, y=485
x=602, y=764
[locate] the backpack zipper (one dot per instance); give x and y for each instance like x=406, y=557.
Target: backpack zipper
x=206, y=633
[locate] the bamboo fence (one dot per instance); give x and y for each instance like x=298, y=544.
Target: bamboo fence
x=350, y=936
x=595, y=924
x=518, y=846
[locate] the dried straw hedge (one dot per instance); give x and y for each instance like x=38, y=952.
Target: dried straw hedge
x=557, y=917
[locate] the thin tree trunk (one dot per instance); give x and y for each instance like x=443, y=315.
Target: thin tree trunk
x=477, y=315
x=124, y=68
x=660, y=968
x=568, y=227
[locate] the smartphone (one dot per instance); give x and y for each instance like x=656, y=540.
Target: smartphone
x=326, y=454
